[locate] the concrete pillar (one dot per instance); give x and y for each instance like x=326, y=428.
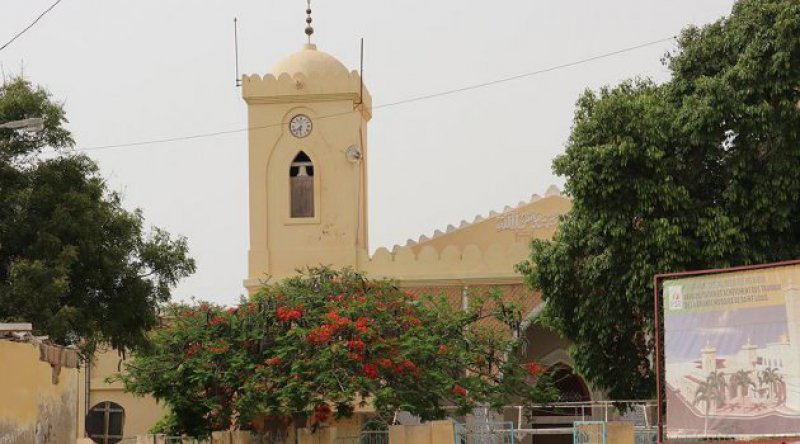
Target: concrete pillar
x=620, y=432
x=397, y=434
x=442, y=432
x=325, y=435
x=223, y=437
x=240, y=437
x=434, y=432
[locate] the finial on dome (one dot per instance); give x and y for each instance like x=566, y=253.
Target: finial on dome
x=309, y=28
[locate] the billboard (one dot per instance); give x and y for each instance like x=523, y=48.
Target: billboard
x=732, y=353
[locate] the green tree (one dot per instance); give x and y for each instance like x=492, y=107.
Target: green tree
x=701, y=171
x=320, y=343
x=73, y=261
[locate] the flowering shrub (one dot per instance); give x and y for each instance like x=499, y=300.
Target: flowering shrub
x=316, y=345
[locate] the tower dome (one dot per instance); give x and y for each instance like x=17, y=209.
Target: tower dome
x=309, y=60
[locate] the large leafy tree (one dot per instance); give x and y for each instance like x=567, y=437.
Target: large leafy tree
x=701, y=171
x=318, y=344
x=73, y=261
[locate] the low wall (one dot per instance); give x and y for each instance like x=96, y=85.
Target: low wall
x=38, y=394
x=434, y=432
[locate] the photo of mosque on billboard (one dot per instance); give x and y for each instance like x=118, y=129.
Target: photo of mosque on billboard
x=732, y=352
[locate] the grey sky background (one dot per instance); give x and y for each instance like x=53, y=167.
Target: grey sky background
x=139, y=70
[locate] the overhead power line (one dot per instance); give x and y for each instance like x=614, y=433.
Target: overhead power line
x=390, y=104
x=19, y=34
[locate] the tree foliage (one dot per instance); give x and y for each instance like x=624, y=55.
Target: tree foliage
x=73, y=261
x=322, y=343
x=701, y=171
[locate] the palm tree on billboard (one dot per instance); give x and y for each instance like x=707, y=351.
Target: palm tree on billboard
x=707, y=392
x=718, y=380
x=739, y=384
x=770, y=377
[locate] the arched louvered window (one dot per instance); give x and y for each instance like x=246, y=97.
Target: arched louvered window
x=105, y=423
x=301, y=185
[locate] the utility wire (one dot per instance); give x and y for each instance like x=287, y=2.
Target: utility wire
x=19, y=34
x=390, y=104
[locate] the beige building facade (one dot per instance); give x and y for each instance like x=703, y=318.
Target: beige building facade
x=309, y=150
x=308, y=205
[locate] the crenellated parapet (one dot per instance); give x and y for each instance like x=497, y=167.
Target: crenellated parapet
x=306, y=88
x=486, y=249
x=470, y=263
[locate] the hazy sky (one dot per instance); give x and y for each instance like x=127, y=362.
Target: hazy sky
x=150, y=69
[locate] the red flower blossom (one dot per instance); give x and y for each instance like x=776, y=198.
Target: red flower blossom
x=355, y=356
x=356, y=345
x=321, y=335
x=361, y=324
x=321, y=413
x=216, y=320
x=370, y=371
x=442, y=349
x=287, y=315
x=232, y=310
x=459, y=391
x=273, y=361
x=534, y=368
x=385, y=363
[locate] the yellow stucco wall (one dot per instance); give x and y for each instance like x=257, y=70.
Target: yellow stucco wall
x=31, y=401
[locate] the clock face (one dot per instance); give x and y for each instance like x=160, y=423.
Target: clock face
x=300, y=125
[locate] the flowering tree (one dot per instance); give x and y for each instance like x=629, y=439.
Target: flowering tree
x=317, y=345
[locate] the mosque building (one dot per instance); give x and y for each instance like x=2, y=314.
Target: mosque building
x=308, y=205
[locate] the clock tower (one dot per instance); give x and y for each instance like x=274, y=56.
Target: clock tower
x=307, y=122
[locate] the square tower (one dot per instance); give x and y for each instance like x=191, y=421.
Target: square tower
x=307, y=124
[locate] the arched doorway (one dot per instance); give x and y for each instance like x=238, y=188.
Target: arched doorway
x=571, y=387
x=549, y=349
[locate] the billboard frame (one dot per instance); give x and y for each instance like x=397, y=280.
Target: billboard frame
x=659, y=331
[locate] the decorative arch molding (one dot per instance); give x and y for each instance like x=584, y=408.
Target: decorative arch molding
x=556, y=358
x=559, y=357
x=278, y=179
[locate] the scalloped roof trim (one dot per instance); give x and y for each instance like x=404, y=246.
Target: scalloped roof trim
x=450, y=260
x=552, y=190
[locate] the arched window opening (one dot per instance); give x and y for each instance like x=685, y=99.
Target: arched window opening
x=105, y=423
x=571, y=389
x=301, y=184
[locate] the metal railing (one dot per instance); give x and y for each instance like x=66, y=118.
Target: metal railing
x=642, y=413
x=485, y=433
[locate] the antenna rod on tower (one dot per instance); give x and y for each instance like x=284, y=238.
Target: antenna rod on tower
x=361, y=74
x=236, y=50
